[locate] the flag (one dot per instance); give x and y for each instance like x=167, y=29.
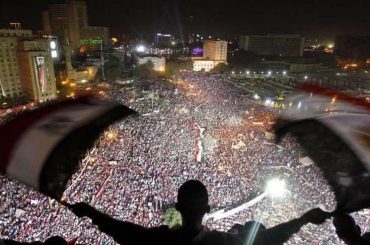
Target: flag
x=334, y=130
x=42, y=148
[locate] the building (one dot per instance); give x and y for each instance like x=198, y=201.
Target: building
x=94, y=33
x=163, y=39
x=205, y=65
x=352, y=47
x=159, y=63
x=36, y=70
x=214, y=53
x=10, y=80
x=70, y=23
x=273, y=45
x=79, y=75
x=215, y=50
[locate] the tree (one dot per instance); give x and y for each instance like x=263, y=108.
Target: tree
x=113, y=67
x=173, y=67
x=145, y=70
x=220, y=68
x=172, y=218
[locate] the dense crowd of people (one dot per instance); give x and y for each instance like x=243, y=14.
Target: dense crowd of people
x=134, y=170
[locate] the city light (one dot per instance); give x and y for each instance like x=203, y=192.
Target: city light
x=140, y=49
x=284, y=72
x=276, y=188
x=305, y=77
x=268, y=102
x=269, y=72
x=248, y=72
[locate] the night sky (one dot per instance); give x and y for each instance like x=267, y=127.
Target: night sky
x=141, y=18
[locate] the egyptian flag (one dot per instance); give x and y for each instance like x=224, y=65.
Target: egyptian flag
x=334, y=129
x=42, y=148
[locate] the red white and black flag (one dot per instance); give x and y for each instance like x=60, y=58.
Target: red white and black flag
x=334, y=129
x=42, y=148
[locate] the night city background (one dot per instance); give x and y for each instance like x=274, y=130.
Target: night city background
x=213, y=85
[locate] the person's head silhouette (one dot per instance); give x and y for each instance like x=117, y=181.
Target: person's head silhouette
x=192, y=203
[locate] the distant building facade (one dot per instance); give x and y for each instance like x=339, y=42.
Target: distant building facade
x=163, y=39
x=10, y=80
x=37, y=70
x=273, y=45
x=205, y=65
x=215, y=50
x=70, y=23
x=214, y=53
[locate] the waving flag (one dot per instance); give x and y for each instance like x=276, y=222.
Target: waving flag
x=334, y=129
x=42, y=148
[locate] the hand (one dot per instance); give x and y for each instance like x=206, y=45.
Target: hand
x=315, y=216
x=81, y=209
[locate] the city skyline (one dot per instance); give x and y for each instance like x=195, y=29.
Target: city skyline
x=143, y=18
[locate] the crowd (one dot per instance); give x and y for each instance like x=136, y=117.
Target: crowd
x=134, y=170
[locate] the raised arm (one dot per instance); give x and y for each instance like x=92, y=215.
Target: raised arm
x=122, y=232
x=282, y=232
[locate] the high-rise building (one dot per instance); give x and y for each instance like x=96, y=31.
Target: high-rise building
x=215, y=50
x=94, y=33
x=163, y=39
x=214, y=53
x=10, y=80
x=70, y=23
x=273, y=45
x=36, y=70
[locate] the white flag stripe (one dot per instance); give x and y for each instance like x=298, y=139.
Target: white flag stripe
x=346, y=119
x=35, y=146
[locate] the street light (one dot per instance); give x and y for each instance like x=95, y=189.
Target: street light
x=140, y=49
x=276, y=188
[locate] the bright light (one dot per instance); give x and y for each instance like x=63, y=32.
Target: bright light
x=110, y=135
x=284, y=72
x=268, y=102
x=248, y=72
x=53, y=45
x=305, y=77
x=256, y=97
x=269, y=72
x=331, y=45
x=233, y=72
x=173, y=43
x=299, y=105
x=54, y=54
x=140, y=49
x=276, y=188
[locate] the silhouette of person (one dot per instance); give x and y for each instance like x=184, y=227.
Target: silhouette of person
x=192, y=203
x=347, y=230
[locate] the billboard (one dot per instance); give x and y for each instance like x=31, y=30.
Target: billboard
x=40, y=73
